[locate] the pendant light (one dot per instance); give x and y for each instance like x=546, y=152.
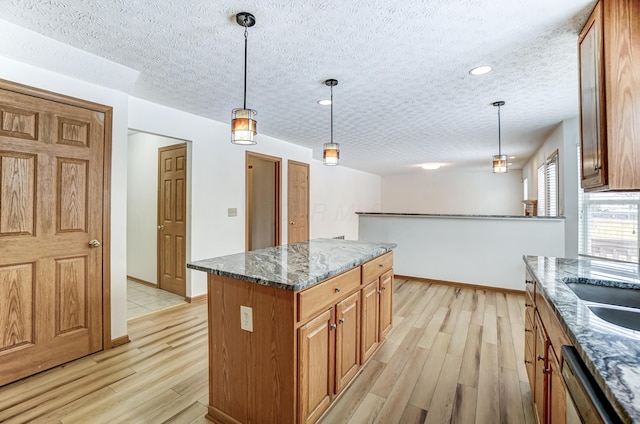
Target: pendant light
x=243, y=124
x=331, y=154
x=499, y=160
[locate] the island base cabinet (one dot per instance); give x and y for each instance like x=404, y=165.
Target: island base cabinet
x=316, y=355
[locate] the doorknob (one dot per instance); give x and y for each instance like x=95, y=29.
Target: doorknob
x=160, y=227
x=94, y=243
x=293, y=223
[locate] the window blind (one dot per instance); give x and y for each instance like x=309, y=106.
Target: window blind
x=609, y=225
x=551, y=183
x=541, y=192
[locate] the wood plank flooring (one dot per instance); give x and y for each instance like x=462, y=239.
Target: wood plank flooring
x=454, y=356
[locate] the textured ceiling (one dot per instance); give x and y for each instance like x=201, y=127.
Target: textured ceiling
x=404, y=96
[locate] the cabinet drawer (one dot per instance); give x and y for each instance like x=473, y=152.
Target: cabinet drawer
x=376, y=267
x=326, y=293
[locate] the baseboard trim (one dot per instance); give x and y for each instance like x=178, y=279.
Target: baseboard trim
x=194, y=299
x=138, y=280
x=462, y=285
x=120, y=341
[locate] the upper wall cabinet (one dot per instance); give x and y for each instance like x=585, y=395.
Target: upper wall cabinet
x=609, y=54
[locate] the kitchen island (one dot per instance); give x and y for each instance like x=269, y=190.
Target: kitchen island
x=610, y=352
x=291, y=326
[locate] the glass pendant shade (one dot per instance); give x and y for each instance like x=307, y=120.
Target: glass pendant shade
x=499, y=164
x=243, y=126
x=331, y=154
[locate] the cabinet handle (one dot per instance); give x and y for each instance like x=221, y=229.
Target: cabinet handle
x=540, y=358
x=379, y=291
x=528, y=305
x=546, y=370
x=381, y=265
x=597, y=168
x=337, y=289
x=333, y=326
x=341, y=320
x=528, y=362
x=384, y=287
x=526, y=330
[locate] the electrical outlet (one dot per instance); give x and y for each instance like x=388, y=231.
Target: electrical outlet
x=246, y=318
x=232, y=212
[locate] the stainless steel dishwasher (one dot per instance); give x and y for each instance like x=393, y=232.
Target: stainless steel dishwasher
x=586, y=402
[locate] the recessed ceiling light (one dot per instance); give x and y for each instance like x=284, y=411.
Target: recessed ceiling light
x=326, y=102
x=481, y=70
x=512, y=157
x=431, y=166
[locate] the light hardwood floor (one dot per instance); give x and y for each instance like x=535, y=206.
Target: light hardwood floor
x=454, y=355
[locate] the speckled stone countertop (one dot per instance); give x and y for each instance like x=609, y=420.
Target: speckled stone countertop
x=294, y=266
x=458, y=216
x=610, y=352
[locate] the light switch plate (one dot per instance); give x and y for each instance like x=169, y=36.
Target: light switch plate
x=232, y=212
x=246, y=318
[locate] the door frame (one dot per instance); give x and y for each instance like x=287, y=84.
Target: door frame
x=184, y=204
x=306, y=165
x=277, y=200
x=106, y=186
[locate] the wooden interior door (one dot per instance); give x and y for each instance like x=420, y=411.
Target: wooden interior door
x=298, y=201
x=172, y=228
x=263, y=201
x=51, y=228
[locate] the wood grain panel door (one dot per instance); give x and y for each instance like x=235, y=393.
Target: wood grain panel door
x=347, y=340
x=172, y=210
x=316, y=345
x=51, y=228
x=298, y=201
x=370, y=325
x=386, y=303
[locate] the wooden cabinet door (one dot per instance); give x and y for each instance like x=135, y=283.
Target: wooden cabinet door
x=557, y=392
x=369, y=339
x=530, y=352
x=592, y=106
x=347, y=340
x=386, y=303
x=540, y=394
x=316, y=352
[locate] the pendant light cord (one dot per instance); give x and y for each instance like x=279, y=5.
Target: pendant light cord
x=499, y=132
x=331, y=114
x=246, y=32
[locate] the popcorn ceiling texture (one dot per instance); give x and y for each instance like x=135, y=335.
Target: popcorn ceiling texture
x=404, y=95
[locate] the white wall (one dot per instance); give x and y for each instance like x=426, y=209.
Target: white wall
x=486, y=252
x=447, y=191
x=336, y=194
x=142, y=204
x=565, y=138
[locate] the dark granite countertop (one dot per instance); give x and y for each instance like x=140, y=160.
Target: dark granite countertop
x=610, y=352
x=294, y=266
x=458, y=216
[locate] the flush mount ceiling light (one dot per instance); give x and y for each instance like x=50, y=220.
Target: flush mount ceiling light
x=243, y=124
x=326, y=102
x=499, y=161
x=481, y=70
x=331, y=153
x=431, y=166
